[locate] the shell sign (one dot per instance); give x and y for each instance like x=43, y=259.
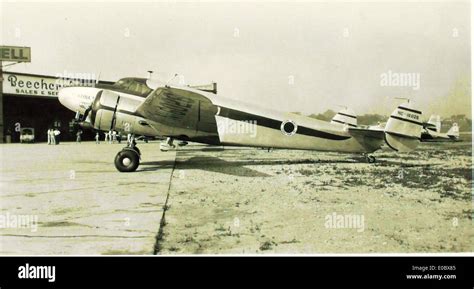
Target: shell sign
x=15, y=54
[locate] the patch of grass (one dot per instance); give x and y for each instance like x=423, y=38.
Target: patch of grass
x=188, y=239
x=293, y=241
x=355, y=181
x=267, y=245
x=448, y=191
x=255, y=228
x=465, y=173
x=306, y=172
x=62, y=224
x=221, y=228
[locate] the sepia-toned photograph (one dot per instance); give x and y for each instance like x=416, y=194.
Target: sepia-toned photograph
x=235, y=128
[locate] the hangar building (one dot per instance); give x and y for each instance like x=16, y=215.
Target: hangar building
x=31, y=100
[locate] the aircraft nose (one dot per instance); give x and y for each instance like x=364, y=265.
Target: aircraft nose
x=66, y=97
x=77, y=99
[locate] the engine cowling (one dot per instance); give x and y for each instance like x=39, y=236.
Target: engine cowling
x=111, y=111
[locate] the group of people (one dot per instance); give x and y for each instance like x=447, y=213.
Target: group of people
x=111, y=136
x=53, y=136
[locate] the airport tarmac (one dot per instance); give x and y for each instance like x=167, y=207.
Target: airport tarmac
x=82, y=203
x=210, y=200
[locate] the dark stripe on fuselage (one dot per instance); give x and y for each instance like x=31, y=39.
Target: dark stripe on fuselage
x=407, y=120
x=341, y=122
x=276, y=124
x=348, y=115
x=409, y=109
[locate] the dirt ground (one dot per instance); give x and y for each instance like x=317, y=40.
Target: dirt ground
x=250, y=201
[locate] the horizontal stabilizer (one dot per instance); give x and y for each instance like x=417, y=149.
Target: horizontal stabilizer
x=371, y=139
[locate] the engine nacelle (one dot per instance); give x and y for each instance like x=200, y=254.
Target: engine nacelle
x=112, y=111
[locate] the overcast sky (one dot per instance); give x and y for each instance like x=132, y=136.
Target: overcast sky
x=306, y=57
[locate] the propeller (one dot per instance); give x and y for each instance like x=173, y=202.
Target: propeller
x=86, y=113
x=114, y=118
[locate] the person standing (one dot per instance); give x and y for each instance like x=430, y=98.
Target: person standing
x=110, y=136
x=56, y=133
x=52, y=136
x=49, y=136
x=97, y=138
x=78, y=136
x=114, y=136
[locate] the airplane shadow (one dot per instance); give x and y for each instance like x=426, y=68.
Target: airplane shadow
x=210, y=164
x=237, y=167
x=202, y=149
x=240, y=167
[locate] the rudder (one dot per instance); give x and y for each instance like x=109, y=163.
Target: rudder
x=453, y=132
x=403, y=129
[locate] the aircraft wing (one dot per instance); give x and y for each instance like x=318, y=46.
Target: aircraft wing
x=171, y=106
x=366, y=133
x=177, y=111
x=427, y=124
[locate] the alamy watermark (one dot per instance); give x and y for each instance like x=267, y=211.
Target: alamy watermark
x=67, y=78
x=401, y=79
x=37, y=272
x=348, y=221
x=240, y=127
x=8, y=220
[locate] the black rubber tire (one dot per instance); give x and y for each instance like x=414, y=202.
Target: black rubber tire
x=370, y=159
x=137, y=150
x=133, y=159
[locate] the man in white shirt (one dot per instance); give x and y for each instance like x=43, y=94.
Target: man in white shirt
x=56, y=133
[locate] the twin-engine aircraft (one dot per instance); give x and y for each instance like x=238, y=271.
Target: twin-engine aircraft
x=432, y=131
x=138, y=106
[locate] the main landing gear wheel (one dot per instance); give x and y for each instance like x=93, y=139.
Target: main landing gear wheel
x=370, y=159
x=127, y=160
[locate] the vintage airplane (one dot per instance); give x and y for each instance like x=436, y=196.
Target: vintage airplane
x=151, y=108
x=432, y=131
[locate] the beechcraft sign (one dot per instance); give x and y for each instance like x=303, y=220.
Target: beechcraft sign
x=15, y=54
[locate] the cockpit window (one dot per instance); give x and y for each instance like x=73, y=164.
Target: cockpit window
x=134, y=86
